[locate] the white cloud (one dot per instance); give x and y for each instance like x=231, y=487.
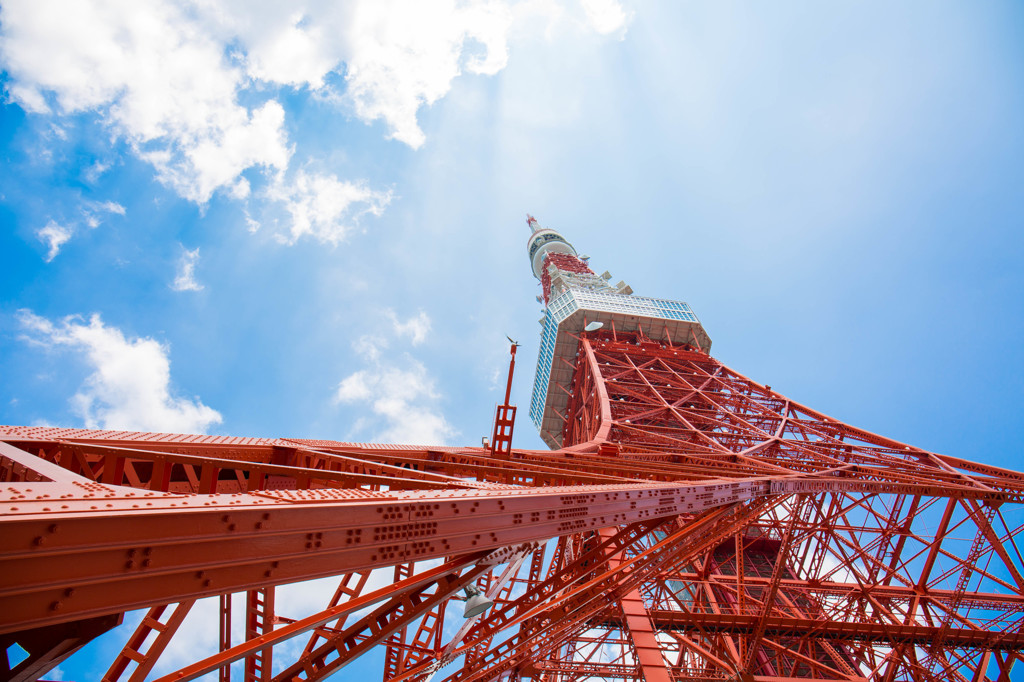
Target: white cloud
x=109, y=207
x=156, y=72
x=400, y=393
x=214, y=158
x=55, y=236
x=370, y=346
x=92, y=209
x=185, y=280
x=356, y=387
x=93, y=172
x=324, y=207
x=404, y=54
x=396, y=55
x=416, y=328
x=295, y=44
x=130, y=387
x=170, y=77
x=404, y=398
x=251, y=223
x=606, y=16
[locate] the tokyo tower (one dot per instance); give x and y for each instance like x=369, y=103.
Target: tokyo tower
x=688, y=523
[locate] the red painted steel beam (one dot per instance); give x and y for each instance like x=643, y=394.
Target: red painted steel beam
x=636, y=623
x=1011, y=603
x=21, y=466
x=375, y=627
x=886, y=634
x=334, y=613
x=88, y=549
x=768, y=599
x=547, y=621
x=394, y=648
x=350, y=586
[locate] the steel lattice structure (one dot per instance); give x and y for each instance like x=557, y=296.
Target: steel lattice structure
x=691, y=524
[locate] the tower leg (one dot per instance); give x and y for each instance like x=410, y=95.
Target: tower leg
x=639, y=627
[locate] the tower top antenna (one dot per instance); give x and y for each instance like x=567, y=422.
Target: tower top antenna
x=532, y=223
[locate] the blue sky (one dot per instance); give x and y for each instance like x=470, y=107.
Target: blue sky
x=308, y=221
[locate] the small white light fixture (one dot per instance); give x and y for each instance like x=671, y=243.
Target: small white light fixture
x=593, y=326
x=476, y=601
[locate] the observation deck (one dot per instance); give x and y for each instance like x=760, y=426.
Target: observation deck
x=565, y=318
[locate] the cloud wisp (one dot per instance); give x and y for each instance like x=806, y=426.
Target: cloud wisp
x=325, y=208
x=416, y=328
x=92, y=210
x=401, y=395
x=606, y=16
x=185, y=279
x=130, y=384
x=55, y=235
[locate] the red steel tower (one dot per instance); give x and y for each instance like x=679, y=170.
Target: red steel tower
x=688, y=524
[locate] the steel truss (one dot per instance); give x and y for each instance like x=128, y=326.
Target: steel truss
x=696, y=526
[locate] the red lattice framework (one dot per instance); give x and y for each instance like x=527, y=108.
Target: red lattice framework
x=697, y=526
x=565, y=263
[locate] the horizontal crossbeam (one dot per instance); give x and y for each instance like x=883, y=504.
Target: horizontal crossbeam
x=832, y=630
